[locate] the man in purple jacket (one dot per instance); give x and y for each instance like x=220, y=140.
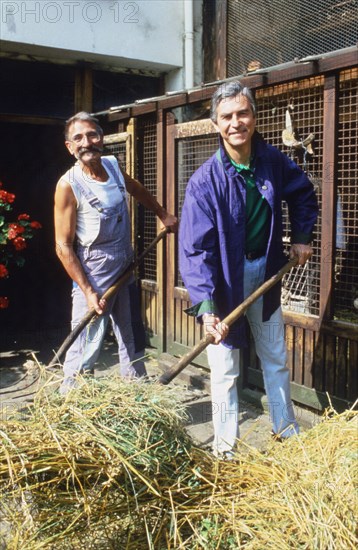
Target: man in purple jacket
x=230, y=242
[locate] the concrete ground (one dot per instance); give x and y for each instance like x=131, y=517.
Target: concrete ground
x=19, y=379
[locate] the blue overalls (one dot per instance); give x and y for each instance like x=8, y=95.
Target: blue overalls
x=103, y=262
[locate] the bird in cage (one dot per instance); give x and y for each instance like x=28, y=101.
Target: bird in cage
x=254, y=65
x=291, y=137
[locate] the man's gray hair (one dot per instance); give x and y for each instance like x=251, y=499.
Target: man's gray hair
x=230, y=90
x=83, y=116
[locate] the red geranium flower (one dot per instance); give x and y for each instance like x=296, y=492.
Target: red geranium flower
x=15, y=229
x=19, y=243
x=35, y=225
x=7, y=197
x=13, y=237
x=3, y=271
x=4, y=302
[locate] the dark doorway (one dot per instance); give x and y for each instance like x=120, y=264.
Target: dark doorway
x=34, y=157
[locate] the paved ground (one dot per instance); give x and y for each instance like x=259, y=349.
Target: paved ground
x=19, y=378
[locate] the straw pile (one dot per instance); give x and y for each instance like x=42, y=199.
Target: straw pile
x=300, y=494
x=112, y=467
x=91, y=463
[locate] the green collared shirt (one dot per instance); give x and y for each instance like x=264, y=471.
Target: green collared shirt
x=258, y=221
x=258, y=211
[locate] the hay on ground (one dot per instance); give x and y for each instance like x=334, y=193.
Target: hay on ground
x=112, y=466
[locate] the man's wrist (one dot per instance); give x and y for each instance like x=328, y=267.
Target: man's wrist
x=160, y=212
x=208, y=314
x=88, y=290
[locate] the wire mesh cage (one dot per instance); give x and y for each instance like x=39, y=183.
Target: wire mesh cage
x=346, y=260
x=263, y=34
x=116, y=145
x=119, y=150
x=191, y=153
x=303, y=102
x=148, y=158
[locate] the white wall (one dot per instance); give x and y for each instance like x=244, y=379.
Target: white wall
x=144, y=34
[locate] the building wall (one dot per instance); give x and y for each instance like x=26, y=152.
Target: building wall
x=134, y=32
x=145, y=35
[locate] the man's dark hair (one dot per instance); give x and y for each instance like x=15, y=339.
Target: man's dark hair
x=82, y=115
x=229, y=90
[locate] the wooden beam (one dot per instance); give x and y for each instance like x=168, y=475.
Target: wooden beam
x=341, y=329
x=151, y=286
x=221, y=45
x=206, y=92
x=119, y=115
x=161, y=249
x=254, y=81
x=131, y=162
x=173, y=101
x=84, y=89
x=129, y=167
x=352, y=374
x=115, y=138
x=338, y=62
x=301, y=320
x=311, y=398
x=201, y=94
x=329, y=170
x=194, y=128
x=144, y=108
x=209, y=40
x=299, y=70
x=170, y=171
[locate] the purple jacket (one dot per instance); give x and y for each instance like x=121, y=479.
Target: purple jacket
x=212, y=230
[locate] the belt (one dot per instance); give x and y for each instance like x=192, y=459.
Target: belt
x=254, y=254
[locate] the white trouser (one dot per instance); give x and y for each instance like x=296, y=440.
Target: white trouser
x=225, y=367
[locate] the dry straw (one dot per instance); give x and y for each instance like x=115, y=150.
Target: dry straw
x=111, y=466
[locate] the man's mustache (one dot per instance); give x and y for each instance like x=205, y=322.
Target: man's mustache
x=91, y=149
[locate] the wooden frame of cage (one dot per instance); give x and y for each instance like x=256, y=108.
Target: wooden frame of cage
x=322, y=352
x=151, y=294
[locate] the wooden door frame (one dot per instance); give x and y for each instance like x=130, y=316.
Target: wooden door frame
x=173, y=292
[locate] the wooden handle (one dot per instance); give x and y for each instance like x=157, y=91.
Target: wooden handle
x=107, y=295
x=229, y=320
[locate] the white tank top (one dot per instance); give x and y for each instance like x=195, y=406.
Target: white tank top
x=107, y=192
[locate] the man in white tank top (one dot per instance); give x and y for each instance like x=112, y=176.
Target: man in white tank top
x=90, y=208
